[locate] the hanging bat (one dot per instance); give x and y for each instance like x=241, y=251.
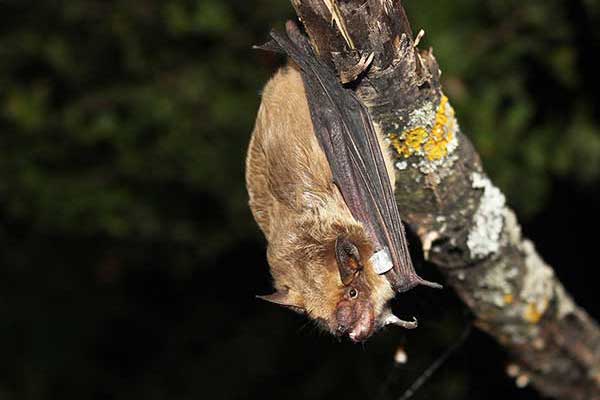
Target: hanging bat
x=320, y=186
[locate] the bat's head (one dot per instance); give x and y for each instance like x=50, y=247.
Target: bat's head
x=361, y=293
x=362, y=307
x=329, y=277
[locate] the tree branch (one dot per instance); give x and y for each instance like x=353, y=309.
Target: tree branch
x=443, y=194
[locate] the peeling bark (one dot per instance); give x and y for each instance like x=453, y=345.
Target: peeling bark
x=445, y=196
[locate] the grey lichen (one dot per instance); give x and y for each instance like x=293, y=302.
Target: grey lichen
x=538, y=278
x=511, y=227
x=401, y=165
x=484, y=236
x=564, y=302
x=422, y=117
x=497, y=285
x=442, y=167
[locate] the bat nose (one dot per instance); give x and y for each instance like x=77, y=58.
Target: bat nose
x=354, y=319
x=363, y=327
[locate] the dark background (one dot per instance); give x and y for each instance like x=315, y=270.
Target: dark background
x=129, y=260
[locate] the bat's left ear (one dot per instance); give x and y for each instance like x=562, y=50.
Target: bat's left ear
x=283, y=298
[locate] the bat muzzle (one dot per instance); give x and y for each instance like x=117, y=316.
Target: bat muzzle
x=356, y=319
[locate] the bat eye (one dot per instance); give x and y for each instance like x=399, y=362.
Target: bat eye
x=353, y=293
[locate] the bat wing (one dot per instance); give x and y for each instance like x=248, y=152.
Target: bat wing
x=346, y=133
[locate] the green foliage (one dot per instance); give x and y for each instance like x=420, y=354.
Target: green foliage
x=118, y=116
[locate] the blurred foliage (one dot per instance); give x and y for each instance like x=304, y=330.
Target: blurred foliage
x=121, y=118
x=128, y=258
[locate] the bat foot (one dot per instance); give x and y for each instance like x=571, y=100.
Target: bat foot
x=391, y=319
x=408, y=324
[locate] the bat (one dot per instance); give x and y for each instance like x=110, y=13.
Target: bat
x=320, y=186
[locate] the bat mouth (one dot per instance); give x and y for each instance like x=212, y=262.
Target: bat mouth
x=356, y=319
x=358, y=335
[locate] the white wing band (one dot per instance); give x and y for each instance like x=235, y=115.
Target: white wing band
x=381, y=261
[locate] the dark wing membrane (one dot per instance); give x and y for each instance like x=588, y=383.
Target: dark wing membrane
x=345, y=131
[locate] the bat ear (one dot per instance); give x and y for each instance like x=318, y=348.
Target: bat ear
x=348, y=259
x=283, y=298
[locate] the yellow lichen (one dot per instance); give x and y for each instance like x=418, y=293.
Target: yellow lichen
x=414, y=138
x=532, y=314
x=399, y=145
x=435, y=150
x=508, y=298
x=434, y=144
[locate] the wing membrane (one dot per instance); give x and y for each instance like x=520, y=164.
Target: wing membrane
x=346, y=133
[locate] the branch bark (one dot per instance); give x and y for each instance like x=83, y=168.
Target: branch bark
x=444, y=195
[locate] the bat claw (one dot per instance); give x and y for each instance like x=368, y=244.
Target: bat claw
x=430, y=284
x=408, y=324
x=270, y=46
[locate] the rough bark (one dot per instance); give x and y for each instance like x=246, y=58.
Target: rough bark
x=444, y=195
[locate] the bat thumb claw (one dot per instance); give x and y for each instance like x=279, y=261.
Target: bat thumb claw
x=430, y=284
x=271, y=46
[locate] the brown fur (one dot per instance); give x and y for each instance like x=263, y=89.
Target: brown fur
x=302, y=213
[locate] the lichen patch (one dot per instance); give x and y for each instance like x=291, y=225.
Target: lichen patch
x=537, y=287
x=498, y=288
x=564, y=301
x=430, y=134
x=401, y=165
x=484, y=236
x=532, y=314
